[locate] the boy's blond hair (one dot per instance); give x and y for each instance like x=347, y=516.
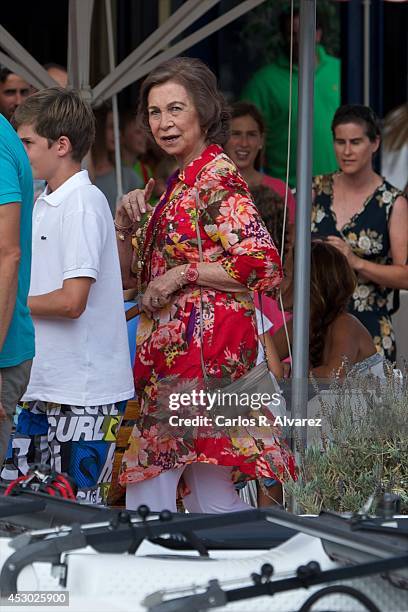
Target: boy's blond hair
x=56, y=112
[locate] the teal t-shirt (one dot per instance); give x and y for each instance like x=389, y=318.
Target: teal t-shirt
x=268, y=89
x=16, y=185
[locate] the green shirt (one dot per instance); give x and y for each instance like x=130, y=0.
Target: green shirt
x=268, y=89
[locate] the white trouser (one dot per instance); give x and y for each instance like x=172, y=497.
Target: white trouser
x=212, y=490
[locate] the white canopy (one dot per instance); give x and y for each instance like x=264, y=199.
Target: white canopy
x=149, y=54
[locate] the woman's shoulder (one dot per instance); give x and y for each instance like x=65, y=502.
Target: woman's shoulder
x=345, y=319
x=220, y=172
x=389, y=192
x=385, y=198
x=276, y=185
x=323, y=184
x=220, y=163
x=348, y=336
x=346, y=323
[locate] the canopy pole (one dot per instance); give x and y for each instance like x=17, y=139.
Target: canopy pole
x=115, y=112
x=301, y=307
x=79, y=36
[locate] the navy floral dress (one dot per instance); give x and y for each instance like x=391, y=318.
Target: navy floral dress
x=367, y=234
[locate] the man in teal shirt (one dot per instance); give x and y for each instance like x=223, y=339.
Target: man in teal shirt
x=16, y=327
x=268, y=89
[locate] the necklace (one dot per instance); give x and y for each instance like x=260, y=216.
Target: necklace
x=144, y=239
x=138, y=259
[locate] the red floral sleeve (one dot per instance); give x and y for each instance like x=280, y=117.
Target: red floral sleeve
x=229, y=216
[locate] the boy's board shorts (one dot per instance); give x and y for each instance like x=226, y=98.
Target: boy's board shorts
x=77, y=440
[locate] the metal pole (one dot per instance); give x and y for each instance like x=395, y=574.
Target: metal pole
x=79, y=45
x=301, y=308
x=115, y=112
x=164, y=11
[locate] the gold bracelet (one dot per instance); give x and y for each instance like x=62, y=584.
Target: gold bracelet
x=122, y=231
x=122, y=227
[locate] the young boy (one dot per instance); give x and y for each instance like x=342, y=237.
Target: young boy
x=81, y=374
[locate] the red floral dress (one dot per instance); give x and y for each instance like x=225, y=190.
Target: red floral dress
x=232, y=235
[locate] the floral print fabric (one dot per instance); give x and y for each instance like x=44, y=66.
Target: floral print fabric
x=367, y=234
x=168, y=346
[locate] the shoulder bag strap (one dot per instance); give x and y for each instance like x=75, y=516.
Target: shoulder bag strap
x=200, y=252
x=201, y=308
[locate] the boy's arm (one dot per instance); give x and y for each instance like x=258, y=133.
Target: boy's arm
x=69, y=302
x=82, y=243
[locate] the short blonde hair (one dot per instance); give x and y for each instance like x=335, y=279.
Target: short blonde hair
x=56, y=112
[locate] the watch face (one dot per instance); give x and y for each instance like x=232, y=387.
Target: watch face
x=192, y=274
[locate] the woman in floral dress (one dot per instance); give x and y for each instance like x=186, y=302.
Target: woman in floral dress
x=186, y=115
x=366, y=218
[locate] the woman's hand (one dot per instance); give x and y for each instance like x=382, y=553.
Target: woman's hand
x=344, y=248
x=160, y=290
x=133, y=204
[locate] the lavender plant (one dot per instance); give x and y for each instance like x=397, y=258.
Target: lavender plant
x=363, y=446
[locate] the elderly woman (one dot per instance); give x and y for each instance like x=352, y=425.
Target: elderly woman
x=184, y=297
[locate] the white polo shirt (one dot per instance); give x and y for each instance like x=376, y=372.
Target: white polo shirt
x=84, y=361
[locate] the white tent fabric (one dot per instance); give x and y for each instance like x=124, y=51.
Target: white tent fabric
x=149, y=54
x=125, y=74
x=168, y=31
x=143, y=59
